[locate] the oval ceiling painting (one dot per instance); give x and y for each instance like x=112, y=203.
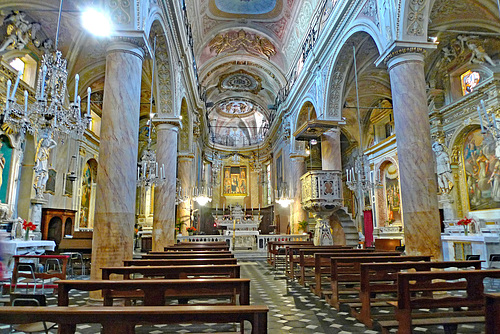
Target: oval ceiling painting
x=253, y=7
x=263, y=9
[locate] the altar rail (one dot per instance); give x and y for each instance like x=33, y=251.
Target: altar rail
x=262, y=240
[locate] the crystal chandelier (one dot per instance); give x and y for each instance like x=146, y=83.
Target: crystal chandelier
x=180, y=196
x=148, y=171
x=202, y=194
x=283, y=196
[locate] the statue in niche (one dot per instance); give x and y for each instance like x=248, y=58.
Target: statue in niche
x=45, y=144
x=20, y=32
x=445, y=182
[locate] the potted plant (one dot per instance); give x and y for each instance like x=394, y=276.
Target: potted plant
x=303, y=226
x=191, y=230
x=178, y=228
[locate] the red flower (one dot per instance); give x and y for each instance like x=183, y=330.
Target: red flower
x=29, y=226
x=466, y=221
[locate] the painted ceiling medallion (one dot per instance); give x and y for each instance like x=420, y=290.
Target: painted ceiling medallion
x=236, y=107
x=234, y=41
x=240, y=81
x=261, y=9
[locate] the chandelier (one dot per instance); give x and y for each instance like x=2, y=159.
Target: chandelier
x=180, y=196
x=283, y=196
x=202, y=194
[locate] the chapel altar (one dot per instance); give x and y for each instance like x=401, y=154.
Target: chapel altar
x=243, y=227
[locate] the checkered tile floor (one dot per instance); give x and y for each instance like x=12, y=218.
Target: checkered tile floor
x=293, y=309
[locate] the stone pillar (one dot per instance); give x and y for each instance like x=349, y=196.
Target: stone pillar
x=164, y=205
x=113, y=237
x=185, y=166
x=331, y=155
x=297, y=169
x=416, y=161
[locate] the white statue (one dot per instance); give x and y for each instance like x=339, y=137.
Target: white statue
x=445, y=182
x=479, y=56
x=45, y=144
x=20, y=32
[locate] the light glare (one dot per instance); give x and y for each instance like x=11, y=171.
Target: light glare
x=96, y=22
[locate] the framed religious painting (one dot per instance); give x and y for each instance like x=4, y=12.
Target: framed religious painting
x=235, y=181
x=482, y=171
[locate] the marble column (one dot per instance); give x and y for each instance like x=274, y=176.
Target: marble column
x=164, y=205
x=331, y=155
x=297, y=168
x=416, y=161
x=113, y=237
x=185, y=174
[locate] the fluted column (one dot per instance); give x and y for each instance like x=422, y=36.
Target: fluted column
x=331, y=155
x=416, y=165
x=113, y=236
x=298, y=168
x=185, y=165
x=164, y=206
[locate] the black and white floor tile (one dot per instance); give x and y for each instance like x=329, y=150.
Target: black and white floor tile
x=293, y=309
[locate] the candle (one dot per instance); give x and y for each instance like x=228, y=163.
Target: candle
x=138, y=172
x=19, y=75
x=78, y=100
x=480, y=119
x=163, y=169
x=223, y=208
x=77, y=78
x=9, y=83
x=42, y=87
x=89, y=92
x=156, y=169
x=25, y=102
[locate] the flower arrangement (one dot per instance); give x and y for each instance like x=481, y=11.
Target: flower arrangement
x=28, y=226
x=465, y=222
x=191, y=229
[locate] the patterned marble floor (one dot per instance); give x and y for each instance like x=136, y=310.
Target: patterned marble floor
x=293, y=309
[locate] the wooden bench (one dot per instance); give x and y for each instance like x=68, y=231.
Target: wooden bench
x=192, y=255
x=204, y=243
x=274, y=247
x=492, y=312
x=433, y=284
x=197, y=248
x=37, y=279
x=174, y=272
x=292, y=254
x=345, y=274
x=179, y=262
x=121, y=320
x=381, y=278
x=308, y=262
x=155, y=292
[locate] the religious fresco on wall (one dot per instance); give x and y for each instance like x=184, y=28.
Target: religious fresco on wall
x=235, y=180
x=85, y=201
x=279, y=170
x=482, y=171
x=5, y=161
x=246, y=7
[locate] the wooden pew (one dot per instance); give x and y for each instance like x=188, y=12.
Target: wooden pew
x=155, y=292
x=121, y=320
x=381, y=278
x=179, y=262
x=346, y=271
x=434, y=283
x=197, y=248
x=274, y=247
x=492, y=312
x=174, y=272
x=191, y=255
x=307, y=259
x=204, y=243
x=292, y=255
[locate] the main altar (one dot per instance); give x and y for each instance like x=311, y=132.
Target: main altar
x=242, y=227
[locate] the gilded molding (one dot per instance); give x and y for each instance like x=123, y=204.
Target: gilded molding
x=403, y=51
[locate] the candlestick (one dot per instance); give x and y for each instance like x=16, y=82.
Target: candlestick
x=138, y=173
x=480, y=119
x=78, y=101
x=25, y=102
x=9, y=83
x=19, y=75
x=77, y=78
x=89, y=92
x=42, y=87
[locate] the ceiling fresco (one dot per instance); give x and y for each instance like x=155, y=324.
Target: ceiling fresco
x=246, y=8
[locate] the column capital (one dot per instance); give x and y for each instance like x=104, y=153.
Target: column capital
x=185, y=156
x=298, y=155
x=128, y=45
x=167, y=123
x=403, y=48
